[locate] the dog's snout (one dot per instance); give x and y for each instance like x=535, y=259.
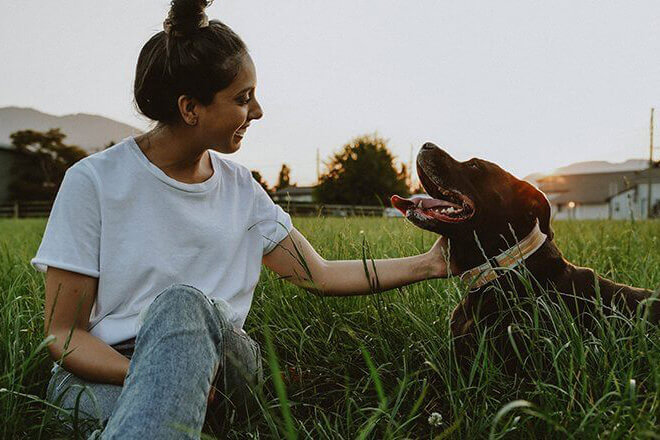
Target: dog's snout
x=428, y=146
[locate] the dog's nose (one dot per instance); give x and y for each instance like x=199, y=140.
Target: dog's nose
x=428, y=146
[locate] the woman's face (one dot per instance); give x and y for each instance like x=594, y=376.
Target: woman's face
x=223, y=123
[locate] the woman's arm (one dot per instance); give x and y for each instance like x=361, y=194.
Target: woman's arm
x=69, y=300
x=348, y=277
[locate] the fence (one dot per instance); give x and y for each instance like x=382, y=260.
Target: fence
x=42, y=209
x=26, y=209
x=314, y=210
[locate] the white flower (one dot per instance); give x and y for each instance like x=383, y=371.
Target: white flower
x=435, y=419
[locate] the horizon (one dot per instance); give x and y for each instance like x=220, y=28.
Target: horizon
x=556, y=171
x=529, y=87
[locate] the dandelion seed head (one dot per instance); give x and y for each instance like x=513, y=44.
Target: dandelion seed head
x=435, y=419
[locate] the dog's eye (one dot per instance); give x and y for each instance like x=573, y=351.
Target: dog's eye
x=473, y=164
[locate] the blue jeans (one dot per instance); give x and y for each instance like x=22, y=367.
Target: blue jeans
x=185, y=346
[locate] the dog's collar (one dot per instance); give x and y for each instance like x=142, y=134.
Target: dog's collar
x=510, y=258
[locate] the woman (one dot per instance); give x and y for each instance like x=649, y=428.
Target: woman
x=154, y=246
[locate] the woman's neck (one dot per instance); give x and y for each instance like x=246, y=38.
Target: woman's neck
x=176, y=153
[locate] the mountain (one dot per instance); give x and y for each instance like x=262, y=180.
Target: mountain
x=90, y=132
x=593, y=166
x=601, y=166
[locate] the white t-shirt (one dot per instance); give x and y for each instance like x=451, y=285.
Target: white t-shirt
x=120, y=218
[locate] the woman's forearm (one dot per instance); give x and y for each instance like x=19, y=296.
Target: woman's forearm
x=349, y=277
x=89, y=357
x=295, y=260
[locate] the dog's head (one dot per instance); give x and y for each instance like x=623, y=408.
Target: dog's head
x=475, y=196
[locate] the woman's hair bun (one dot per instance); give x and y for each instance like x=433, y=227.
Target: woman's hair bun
x=186, y=16
x=186, y=60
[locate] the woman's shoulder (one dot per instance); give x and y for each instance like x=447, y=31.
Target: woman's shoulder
x=108, y=162
x=230, y=167
x=108, y=155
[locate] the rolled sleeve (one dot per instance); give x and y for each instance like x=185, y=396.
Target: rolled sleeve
x=272, y=223
x=71, y=240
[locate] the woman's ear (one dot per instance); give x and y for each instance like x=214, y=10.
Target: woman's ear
x=188, y=109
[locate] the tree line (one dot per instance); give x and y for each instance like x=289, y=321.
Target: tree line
x=362, y=172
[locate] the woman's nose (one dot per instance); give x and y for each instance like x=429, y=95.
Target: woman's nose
x=256, y=112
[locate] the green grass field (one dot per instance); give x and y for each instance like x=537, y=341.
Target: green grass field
x=378, y=366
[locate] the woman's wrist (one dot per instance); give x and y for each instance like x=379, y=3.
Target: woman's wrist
x=434, y=267
x=437, y=260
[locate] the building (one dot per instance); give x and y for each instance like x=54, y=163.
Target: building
x=9, y=157
x=632, y=202
x=294, y=194
x=585, y=196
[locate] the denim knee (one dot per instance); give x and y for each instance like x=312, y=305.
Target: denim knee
x=180, y=288
x=184, y=302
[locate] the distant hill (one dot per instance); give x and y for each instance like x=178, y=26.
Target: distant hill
x=601, y=166
x=593, y=166
x=90, y=132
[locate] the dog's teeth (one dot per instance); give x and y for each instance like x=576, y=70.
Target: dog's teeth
x=450, y=210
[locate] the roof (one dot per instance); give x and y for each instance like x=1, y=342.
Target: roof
x=295, y=190
x=591, y=188
x=654, y=173
x=642, y=178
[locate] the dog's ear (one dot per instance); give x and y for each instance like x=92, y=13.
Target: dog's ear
x=543, y=213
x=537, y=206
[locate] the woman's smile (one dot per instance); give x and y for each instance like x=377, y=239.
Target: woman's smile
x=241, y=131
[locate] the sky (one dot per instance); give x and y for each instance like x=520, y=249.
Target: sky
x=531, y=85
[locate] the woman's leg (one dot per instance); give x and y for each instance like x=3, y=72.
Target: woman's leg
x=86, y=405
x=169, y=378
x=235, y=384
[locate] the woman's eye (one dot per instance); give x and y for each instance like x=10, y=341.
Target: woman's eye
x=244, y=100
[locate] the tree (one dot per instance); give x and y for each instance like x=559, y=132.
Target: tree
x=284, y=179
x=258, y=177
x=362, y=173
x=418, y=189
x=49, y=158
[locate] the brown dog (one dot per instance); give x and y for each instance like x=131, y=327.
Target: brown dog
x=493, y=220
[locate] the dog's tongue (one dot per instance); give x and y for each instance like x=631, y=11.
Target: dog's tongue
x=403, y=204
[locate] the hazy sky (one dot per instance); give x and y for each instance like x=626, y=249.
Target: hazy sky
x=531, y=85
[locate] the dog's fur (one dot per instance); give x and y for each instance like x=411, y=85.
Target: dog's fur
x=504, y=211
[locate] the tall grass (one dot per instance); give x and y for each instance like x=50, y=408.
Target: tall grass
x=378, y=366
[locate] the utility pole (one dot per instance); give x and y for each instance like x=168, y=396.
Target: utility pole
x=410, y=161
x=318, y=166
x=649, y=204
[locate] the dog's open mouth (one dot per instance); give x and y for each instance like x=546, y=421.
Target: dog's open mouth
x=452, y=207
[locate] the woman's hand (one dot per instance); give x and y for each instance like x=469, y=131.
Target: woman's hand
x=211, y=398
x=439, y=257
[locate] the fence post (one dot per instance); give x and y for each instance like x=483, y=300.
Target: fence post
x=16, y=209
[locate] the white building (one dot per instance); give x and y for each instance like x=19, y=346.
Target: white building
x=589, y=195
x=633, y=202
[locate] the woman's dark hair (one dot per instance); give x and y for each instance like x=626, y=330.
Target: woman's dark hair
x=190, y=57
